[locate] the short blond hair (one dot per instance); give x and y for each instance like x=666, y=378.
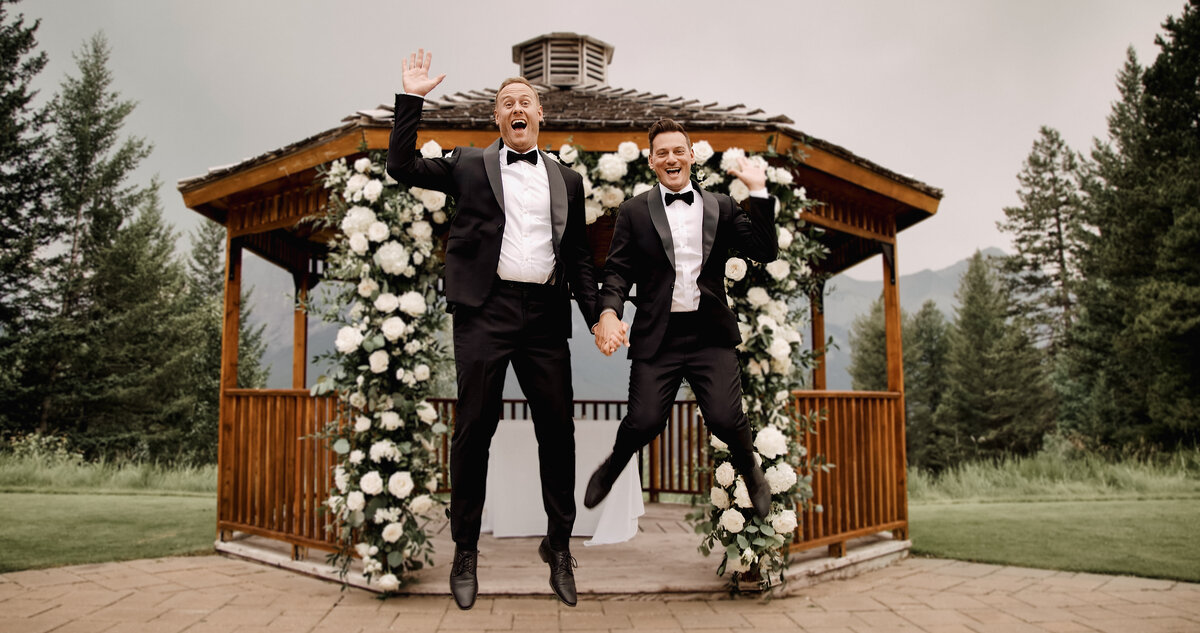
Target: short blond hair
x=517, y=80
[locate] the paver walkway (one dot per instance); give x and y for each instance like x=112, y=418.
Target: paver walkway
x=215, y=594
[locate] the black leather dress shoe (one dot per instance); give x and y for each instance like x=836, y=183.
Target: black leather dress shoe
x=562, y=579
x=601, y=483
x=759, y=491
x=464, y=584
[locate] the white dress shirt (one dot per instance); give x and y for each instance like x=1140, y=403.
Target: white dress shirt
x=687, y=234
x=527, y=249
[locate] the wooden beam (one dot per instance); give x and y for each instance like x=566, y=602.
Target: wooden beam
x=226, y=452
x=300, y=333
x=891, y=316
x=817, y=307
x=842, y=227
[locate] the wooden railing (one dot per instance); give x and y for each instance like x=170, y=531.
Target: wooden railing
x=861, y=435
x=275, y=472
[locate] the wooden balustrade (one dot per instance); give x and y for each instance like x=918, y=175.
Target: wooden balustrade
x=275, y=472
x=861, y=434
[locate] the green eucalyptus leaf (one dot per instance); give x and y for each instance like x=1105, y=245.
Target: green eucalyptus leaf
x=341, y=447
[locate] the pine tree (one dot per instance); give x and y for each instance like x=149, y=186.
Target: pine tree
x=90, y=166
x=996, y=396
x=141, y=338
x=1049, y=235
x=26, y=223
x=925, y=356
x=868, y=350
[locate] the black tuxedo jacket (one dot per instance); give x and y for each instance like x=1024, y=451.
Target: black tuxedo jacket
x=643, y=253
x=472, y=176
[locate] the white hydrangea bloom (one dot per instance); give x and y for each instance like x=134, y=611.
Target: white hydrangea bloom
x=359, y=243
x=356, y=456
x=611, y=197
x=611, y=167
x=784, y=522
x=372, y=190
x=781, y=477
x=392, y=258
x=390, y=421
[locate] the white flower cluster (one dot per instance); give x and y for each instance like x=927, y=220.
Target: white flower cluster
x=388, y=469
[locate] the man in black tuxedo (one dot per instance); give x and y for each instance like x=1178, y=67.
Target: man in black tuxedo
x=516, y=252
x=673, y=242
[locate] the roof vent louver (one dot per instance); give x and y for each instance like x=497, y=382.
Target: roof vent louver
x=564, y=60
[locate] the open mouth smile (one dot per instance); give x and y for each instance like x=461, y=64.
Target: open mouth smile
x=519, y=125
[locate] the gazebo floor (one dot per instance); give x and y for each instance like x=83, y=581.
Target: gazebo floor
x=662, y=559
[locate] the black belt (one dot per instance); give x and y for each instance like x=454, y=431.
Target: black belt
x=524, y=285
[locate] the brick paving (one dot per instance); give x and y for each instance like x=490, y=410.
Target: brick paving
x=205, y=594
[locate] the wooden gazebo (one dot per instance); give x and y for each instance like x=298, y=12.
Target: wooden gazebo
x=274, y=476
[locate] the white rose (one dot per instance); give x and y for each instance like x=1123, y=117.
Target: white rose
x=431, y=149
x=779, y=175
x=611, y=197
x=390, y=421
x=341, y=479
x=378, y=361
x=779, y=269
x=611, y=167
x=371, y=483
x=355, y=501
x=356, y=456
x=781, y=366
x=358, y=400
x=719, y=498
x=757, y=296
x=725, y=474
x=784, y=522
x=362, y=424
x=703, y=151
x=732, y=520
x=592, y=210
x=426, y=412
x=716, y=443
x=392, y=532
x=412, y=347
x=355, y=184
x=785, y=238
x=400, y=484
x=348, y=339
x=386, y=302
x=362, y=165
x=778, y=310
x=781, y=477
x=372, y=190
x=779, y=349
x=790, y=335
x=801, y=193
x=421, y=372
x=567, y=154
x=359, y=243
x=421, y=231
x=393, y=328
x=377, y=232
x=729, y=159
x=421, y=504
x=628, y=151
x=367, y=287
x=640, y=188
x=392, y=257
x=433, y=200
x=738, y=190
x=735, y=268
x=412, y=303
x=770, y=442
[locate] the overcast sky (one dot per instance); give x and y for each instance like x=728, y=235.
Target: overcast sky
x=951, y=92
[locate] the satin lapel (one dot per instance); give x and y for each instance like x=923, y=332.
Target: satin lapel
x=491, y=162
x=658, y=216
x=711, y=216
x=558, y=200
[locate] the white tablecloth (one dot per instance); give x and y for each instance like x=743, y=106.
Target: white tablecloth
x=514, y=492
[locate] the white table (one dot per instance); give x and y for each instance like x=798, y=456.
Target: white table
x=514, y=491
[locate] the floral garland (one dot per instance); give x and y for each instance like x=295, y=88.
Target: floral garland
x=386, y=351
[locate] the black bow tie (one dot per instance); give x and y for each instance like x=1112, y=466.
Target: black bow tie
x=530, y=157
x=686, y=196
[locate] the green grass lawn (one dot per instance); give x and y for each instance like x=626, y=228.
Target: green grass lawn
x=48, y=530
x=1154, y=538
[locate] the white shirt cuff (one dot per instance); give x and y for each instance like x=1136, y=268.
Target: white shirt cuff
x=760, y=193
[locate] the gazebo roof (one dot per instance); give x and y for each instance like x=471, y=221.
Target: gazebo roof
x=261, y=199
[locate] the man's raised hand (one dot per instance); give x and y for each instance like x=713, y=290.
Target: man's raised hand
x=751, y=173
x=416, y=73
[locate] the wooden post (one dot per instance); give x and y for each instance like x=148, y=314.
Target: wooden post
x=300, y=332
x=229, y=372
x=817, y=306
x=895, y=377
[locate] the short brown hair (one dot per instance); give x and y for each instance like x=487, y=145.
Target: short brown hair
x=667, y=125
x=517, y=80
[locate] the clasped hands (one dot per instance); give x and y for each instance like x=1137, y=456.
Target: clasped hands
x=611, y=333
